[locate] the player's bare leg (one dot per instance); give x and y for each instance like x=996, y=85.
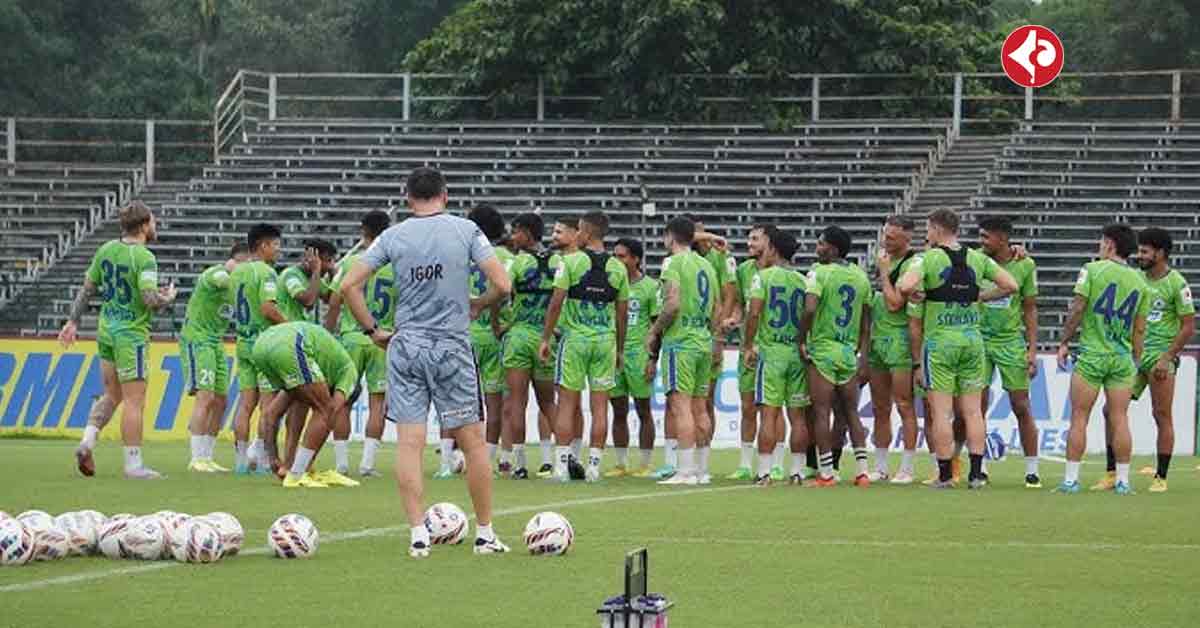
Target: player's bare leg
x=494, y=429
x=705, y=426
x=297, y=415
x=543, y=392
x=976, y=435
x=256, y=453
x=767, y=439
x=1162, y=395
x=645, y=434
x=1083, y=397
x=410, y=448
x=821, y=391
x=341, y=442
x=620, y=435
x=846, y=399
x=799, y=442
x=316, y=432
x=247, y=400
x=1027, y=428
x=198, y=427
x=268, y=429
x=680, y=409
x=566, y=430
x=749, y=429
x=670, y=445
x=373, y=434
x=880, y=382
x=939, y=408
x=99, y=415
x=216, y=415
x=599, y=435
x=577, y=432
x=134, y=396
x=513, y=407
x=479, y=484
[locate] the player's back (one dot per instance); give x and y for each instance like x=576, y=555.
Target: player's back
x=842, y=288
x=1114, y=294
x=120, y=271
x=431, y=258
x=379, y=291
x=782, y=290
x=593, y=281
x=208, y=309
x=250, y=285
x=698, y=289
x=951, y=307
x=478, y=285
x=533, y=284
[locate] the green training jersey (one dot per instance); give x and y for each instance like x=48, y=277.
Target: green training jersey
x=884, y=321
x=477, y=285
x=644, y=305
x=782, y=290
x=842, y=289
x=324, y=349
x=948, y=320
x=379, y=292
x=1004, y=319
x=585, y=317
x=251, y=284
x=698, y=291
x=209, y=308
x=1116, y=295
x=533, y=285
x=744, y=280
x=120, y=272
x=724, y=265
x=294, y=282
x=1170, y=298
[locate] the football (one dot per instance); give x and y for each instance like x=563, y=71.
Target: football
x=232, y=534
x=143, y=539
x=549, y=534
x=447, y=524
x=49, y=540
x=171, y=522
x=16, y=543
x=293, y=536
x=110, y=537
x=197, y=541
x=80, y=530
x=458, y=461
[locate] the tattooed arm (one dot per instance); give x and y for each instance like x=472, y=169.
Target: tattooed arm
x=69, y=330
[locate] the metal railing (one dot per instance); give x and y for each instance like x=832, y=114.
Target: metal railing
x=175, y=149
x=966, y=98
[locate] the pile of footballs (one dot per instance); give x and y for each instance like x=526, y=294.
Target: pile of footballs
x=35, y=535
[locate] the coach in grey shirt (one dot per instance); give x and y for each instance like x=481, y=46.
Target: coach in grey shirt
x=429, y=356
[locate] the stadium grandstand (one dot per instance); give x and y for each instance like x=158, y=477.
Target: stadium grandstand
x=314, y=172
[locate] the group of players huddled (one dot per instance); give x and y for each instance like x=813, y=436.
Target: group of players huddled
x=938, y=322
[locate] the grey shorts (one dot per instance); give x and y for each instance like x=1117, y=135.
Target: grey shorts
x=441, y=371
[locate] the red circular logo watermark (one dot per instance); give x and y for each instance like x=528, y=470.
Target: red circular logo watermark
x=1032, y=56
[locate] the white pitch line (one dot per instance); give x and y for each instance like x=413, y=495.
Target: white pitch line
x=360, y=534
x=1165, y=547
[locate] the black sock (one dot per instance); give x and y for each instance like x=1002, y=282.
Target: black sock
x=945, y=474
x=976, y=466
x=1111, y=459
x=811, y=454
x=1164, y=464
x=837, y=458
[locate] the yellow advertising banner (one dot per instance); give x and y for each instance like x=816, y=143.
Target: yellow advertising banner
x=45, y=389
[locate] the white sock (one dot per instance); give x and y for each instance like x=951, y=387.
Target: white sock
x=622, y=456
x=485, y=532
x=547, y=451
x=240, y=458
x=687, y=461
x=1031, y=465
x=1123, y=472
x=519, y=459
x=341, y=456
x=860, y=460
x=764, y=466
x=906, y=461
x=881, y=460
x=420, y=534
x=491, y=449
x=778, y=454
x=647, y=454
x=747, y=455
x=260, y=452
x=304, y=456
x=576, y=448
x=90, y=434
x=447, y=450
x=210, y=446
x=133, y=459
x=799, y=461
x=595, y=457
x=702, y=460
x=983, y=466
x=197, y=448
x=671, y=453
x=506, y=456
x=1072, y=474
x=561, y=454
x=370, y=446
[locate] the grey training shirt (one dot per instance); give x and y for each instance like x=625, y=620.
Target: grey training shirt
x=431, y=257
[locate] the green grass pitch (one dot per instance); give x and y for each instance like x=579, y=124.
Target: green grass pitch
x=729, y=555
